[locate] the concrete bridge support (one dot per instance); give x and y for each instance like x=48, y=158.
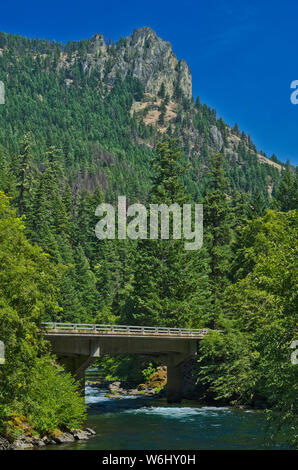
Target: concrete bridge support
x=174, y=384
x=77, y=364
x=174, y=363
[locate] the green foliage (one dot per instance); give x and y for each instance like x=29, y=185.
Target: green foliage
x=250, y=363
x=287, y=190
x=28, y=281
x=51, y=399
x=227, y=367
x=123, y=368
x=217, y=234
x=31, y=383
x=148, y=372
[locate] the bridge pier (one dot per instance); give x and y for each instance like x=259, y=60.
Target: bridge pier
x=78, y=363
x=174, y=363
x=174, y=384
x=77, y=366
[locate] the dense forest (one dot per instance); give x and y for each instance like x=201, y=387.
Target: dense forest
x=69, y=141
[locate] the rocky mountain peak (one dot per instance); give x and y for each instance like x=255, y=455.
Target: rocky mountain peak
x=156, y=64
x=145, y=32
x=145, y=56
x=98, y=43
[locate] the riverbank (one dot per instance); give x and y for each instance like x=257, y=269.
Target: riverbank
x=24, y=441
x=113, y=390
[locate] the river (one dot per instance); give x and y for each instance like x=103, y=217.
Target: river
x=150, y=423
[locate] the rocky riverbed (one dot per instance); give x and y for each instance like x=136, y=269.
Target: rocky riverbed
x=118, y=389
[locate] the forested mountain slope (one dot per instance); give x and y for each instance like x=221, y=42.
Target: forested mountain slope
x=105, y=105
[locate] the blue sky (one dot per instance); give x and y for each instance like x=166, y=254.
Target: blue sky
x=242, y=54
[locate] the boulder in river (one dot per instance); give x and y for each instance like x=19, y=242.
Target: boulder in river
x=80, y=435
x=90, y=431
x=64, y=437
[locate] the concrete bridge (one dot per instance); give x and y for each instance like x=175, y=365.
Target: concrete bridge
x=77, y=346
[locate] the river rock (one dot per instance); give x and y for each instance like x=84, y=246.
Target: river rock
x=134, y=392
x=48, y=441
x=29, y=442
x=80, y=435
x=65, y=437
x=90, y=431
x=36, y=441
x=115, y=387
x=5, y=444
x=157, y=381
x=23, y=442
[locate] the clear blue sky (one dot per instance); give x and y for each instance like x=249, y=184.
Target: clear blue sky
x=242, y=54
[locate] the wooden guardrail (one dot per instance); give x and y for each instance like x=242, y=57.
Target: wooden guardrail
x=86, y=327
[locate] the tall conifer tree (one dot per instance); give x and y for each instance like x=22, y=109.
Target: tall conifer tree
x=170, y=283
x=218, y=233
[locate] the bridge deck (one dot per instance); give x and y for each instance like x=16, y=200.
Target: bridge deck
x=97, y=330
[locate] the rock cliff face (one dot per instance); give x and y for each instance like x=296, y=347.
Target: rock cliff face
x=144, y=56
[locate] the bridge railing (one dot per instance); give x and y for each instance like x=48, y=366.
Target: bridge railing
x=123, y=328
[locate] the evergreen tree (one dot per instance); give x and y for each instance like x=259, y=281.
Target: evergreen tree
x=218, y=233
x=170, y=283
x=287, y=191
x=22, y=168
x=258, y=205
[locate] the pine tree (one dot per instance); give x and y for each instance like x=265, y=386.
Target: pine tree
x=287, y=191
x=22, y=168
x=86, y=285
x=218, y=233
x=170, y=284
x=258, y=205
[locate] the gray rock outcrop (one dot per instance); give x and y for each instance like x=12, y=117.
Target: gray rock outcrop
x=144, y=56
x=216, y=137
